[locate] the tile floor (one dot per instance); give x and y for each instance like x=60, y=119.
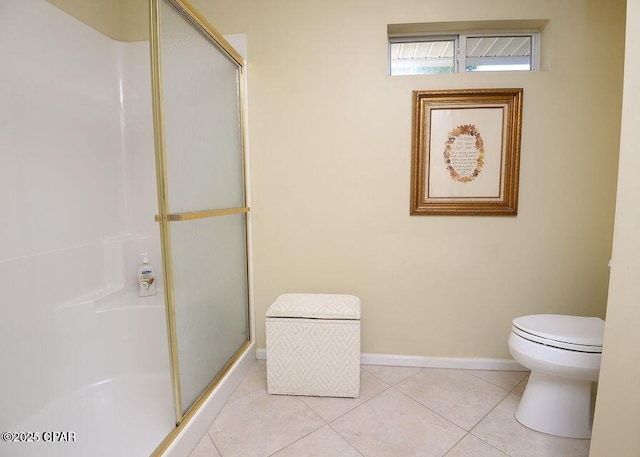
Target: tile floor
x=401, y=412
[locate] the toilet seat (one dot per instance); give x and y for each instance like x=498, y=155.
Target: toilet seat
x=574, y=333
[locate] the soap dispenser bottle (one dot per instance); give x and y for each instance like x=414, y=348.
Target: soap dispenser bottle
x=146, y=278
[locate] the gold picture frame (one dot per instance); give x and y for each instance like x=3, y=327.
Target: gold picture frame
x=466, y=152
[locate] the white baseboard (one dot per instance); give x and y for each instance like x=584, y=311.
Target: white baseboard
x=430, y=362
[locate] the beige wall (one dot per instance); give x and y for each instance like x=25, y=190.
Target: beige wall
x=617, y=419
x=330, y=165
x=134, y=20
x=330, y=154
x=123, y=20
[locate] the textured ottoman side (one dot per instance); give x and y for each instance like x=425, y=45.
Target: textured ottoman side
x=313, y=345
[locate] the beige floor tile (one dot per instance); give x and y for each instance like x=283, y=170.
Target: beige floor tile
x=255, y=379
x=330, y=407
x=257, y=424
x=470, y=446
x=390, y=375
x=455, y=394
x=519, y=389
x=505, y=379
x=393, y=425
x=501, y=430
x=205, y=448
x=321, y=443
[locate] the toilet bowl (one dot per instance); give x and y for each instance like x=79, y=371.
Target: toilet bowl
x=563, y=354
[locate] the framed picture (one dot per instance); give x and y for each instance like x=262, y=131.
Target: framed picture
x=466, y=152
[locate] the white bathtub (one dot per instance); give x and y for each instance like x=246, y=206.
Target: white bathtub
x=111, y=384
x=88, y=356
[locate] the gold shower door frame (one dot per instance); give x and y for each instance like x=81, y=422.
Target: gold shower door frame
x=165, y=216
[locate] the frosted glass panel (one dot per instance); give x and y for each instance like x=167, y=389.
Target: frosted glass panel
x=210, y=290
x=204, y=164
x=203, y=135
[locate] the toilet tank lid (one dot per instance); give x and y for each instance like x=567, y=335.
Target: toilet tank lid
x=316, y=306
x=586, y=331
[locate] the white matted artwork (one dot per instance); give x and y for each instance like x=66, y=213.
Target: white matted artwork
x=466, y=151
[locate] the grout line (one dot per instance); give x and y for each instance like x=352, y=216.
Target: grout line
x=491, y=445
x=455, y=444
x=228, y=402
x=300, y=398
x=506, y=393
x=360, y=404
x=340, y=434
x=418, y=369
x=234, y=398
x=328, y=423
x=345, y=438
x=485, y=416
x=386, y=389
x=299, y=439
x=490, y=383
x=471, y=372
x=434, y=412
x=526, y=378
x=354, y=407
x=489, y=412
x=214, y=443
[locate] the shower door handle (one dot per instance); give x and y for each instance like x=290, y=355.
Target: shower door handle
x=202, y=214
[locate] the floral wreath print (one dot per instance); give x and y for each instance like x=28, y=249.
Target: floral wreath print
x=466, y=129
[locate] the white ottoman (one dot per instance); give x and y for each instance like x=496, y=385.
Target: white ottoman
x=313, y=345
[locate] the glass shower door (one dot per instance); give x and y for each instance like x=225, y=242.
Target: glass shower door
x=198, y=84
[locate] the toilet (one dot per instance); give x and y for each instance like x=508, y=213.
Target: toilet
x=563, y=354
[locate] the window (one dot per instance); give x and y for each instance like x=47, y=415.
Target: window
x=430, y=54
x=422, y=56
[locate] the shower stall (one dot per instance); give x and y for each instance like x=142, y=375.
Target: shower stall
x=109, y=150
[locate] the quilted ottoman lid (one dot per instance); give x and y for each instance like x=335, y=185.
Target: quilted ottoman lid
x=316, y=306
